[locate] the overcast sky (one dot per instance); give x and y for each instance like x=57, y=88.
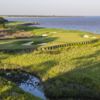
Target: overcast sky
x=50, y=7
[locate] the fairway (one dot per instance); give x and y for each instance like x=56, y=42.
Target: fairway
x=53, y=37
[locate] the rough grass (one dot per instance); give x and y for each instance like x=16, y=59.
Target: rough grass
x=69, y=72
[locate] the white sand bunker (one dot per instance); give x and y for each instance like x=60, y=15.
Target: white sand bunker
x=54, y=32
x=28, y=43
x=86, y=36
x=94, y=37
x=42, y=44
x=44, y=35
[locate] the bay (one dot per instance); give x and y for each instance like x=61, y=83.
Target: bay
x=88, y=24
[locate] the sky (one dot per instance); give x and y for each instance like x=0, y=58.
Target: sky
x=50, y=7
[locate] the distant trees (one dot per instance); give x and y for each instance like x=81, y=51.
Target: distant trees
x=3, y=22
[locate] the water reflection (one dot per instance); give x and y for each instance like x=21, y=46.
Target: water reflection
x=25, y=81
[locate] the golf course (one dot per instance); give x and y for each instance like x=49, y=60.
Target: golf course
x=67, y=62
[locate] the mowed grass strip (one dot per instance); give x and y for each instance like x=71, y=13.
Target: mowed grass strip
x=54, y=37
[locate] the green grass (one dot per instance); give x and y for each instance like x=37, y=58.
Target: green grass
x=14, y=44
x=60, y=70
x=64, y=36
x=71, y=72
x=54, y=37
x=14, y=23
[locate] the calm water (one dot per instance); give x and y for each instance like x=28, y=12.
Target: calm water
x=91, y=24
x=25, y=81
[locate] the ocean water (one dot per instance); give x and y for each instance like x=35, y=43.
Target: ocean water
x=89, y=24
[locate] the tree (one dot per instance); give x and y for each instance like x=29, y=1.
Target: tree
x=3, y=21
